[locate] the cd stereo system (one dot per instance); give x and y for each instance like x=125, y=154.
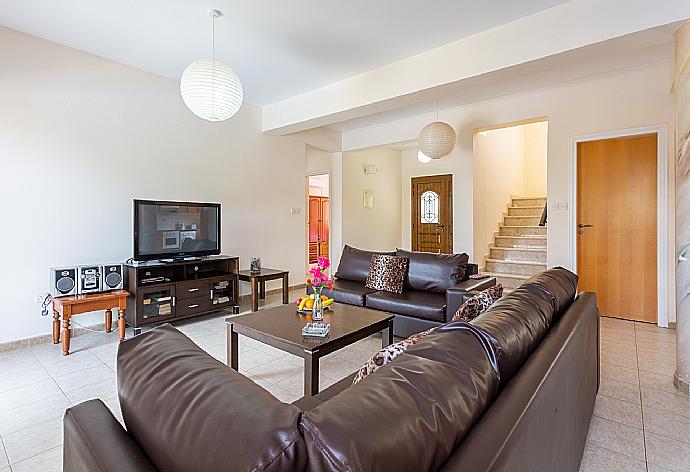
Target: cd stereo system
x=84, y=279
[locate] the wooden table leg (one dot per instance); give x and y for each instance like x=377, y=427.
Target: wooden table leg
x=121, y=324
x=56, y=326
x=387, y=335
x=286, y=290
x=255, y=295
x=65, y=334
x=262, y=289
x=311, y=375
x=233, y=348
x=108, y=320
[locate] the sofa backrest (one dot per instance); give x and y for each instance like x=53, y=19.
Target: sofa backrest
x=434, y=272
x=189, y=411
x=540, y=420
x=413, y=412
x=354, y=264
x=521, y=319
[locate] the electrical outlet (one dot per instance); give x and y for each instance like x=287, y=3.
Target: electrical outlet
x=39, y=297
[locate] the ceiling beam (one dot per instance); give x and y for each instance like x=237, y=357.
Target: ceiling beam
x=566, y=27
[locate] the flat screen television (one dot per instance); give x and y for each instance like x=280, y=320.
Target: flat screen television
x=175, y=230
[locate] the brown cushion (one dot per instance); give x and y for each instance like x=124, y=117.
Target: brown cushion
x=521, y=319
x=413, y=413
x=434, y=272
x=354, y=264
x=478, y=304
x=387, y=273
x=189, y=411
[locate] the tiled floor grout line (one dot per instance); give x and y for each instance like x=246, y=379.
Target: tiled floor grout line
x=7, y=457
x=637, y=364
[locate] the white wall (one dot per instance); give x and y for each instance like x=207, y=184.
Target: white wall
x=626, y=99
x=508, y=161
x=411, y=167
x=376, y=228
x=81, y=136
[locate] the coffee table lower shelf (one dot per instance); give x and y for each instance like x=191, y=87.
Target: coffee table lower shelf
x=281, y=328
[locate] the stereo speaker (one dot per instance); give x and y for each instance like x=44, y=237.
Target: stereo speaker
x=63, y=281
x=112, y=277
x=89, y=279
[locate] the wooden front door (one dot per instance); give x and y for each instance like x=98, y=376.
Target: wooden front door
x=617, y=225
x=318, y=227
x=432, y=214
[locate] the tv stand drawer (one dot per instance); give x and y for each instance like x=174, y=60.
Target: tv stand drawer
x=192, y=306
x=193, y=289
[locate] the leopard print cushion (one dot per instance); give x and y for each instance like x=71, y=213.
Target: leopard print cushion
x=387, y=354
x=387, y=273
x=478, y=304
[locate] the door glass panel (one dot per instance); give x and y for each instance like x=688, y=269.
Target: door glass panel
x=157, y=304
x=429, y=207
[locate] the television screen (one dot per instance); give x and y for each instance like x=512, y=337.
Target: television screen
x=175, y=229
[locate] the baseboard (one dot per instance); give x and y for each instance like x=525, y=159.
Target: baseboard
x=48, y=338
x=78, y=330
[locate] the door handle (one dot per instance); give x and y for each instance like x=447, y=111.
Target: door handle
x=584, y=226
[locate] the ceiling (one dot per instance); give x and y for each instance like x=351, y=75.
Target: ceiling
x=629, y=51
x=279, y=48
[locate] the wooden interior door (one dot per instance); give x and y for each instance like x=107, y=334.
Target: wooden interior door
x=617, y=225
x=318, y=227
x=432, y=214
x=323, y=231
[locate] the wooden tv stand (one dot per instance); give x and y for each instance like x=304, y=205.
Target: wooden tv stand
x=168, y=291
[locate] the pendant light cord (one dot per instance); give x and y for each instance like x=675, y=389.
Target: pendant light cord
x=436, y=108
x=213, y=64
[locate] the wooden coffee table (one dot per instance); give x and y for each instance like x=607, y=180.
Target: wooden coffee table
x=281, y=327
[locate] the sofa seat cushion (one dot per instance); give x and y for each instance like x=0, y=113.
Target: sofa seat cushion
x=348, y=292
x=412, y=413
x=188, y=411
x=434, y=272
x=426, y=305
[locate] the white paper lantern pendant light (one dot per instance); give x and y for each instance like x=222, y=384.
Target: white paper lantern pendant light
x=210, y=88
x=437, y=139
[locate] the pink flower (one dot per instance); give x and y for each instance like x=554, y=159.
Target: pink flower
x=323, y=262
x=316, y=272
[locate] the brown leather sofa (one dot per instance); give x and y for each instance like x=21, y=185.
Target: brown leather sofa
x=435, y=287
x=513, y=390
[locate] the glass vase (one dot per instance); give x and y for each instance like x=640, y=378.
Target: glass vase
x=317, y=310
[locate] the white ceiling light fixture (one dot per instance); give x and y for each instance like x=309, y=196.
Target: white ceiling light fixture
x=211, y=89
x=423, y=158
x=437, y=139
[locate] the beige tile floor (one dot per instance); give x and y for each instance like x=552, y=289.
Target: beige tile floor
x=641, y=422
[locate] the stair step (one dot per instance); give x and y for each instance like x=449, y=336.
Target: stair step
x=525, y=211
x=514, y=267
x=507, y=280
x=522, y=230
x=521, y=220
x=528, y=201
x=520, y=241
x=518, y=254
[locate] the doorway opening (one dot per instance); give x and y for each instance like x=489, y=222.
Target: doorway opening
x=510, y=218
x=318, y=218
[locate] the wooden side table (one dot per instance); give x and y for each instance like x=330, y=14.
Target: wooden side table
x=258, y=281
x=78, y=304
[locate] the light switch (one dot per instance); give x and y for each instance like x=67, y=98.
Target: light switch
x=295, y=211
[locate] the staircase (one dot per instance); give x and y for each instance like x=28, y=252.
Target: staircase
x=519, y=248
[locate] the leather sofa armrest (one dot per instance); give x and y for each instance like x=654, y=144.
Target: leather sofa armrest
x=94, y=441
x=457, y=295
